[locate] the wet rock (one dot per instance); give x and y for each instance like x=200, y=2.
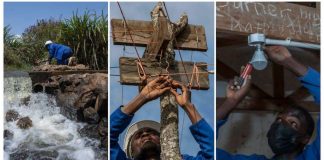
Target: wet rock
x=25, y=101
x=76, y=92
x=83, y=97
x=91, y=115
x=104, y=142
x=72, y=113
x=12, y=115
x=51, y=88
x=103, y=132
x=44, y=155
x=7, y=134
x=103, y=127
x=24, y=123
x=34, y=155
x=19, y=155
x=90, y=131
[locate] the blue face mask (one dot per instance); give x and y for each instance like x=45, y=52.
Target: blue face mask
x=282, y=138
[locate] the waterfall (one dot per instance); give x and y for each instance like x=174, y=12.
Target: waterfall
x=52, y=135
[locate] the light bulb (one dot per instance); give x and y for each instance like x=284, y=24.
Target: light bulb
x=259, y=60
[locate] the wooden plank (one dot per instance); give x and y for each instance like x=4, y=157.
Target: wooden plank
x=192, y=38
x=129, y=72
x=159, y=40
x=270, y=104
x=275, y=19
x=278, y=81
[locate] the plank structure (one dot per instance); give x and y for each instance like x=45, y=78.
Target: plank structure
x=192, y=38
x=129, y=72
x=236, y=20
x=279, y=20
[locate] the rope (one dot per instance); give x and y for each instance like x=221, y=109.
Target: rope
x=140, y=70
x=138, y=57
x=195, y=73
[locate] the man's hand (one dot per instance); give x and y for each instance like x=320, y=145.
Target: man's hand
x=233, y=97
x=151, y=91
x=156, y=88
x=278, y=54
x=236, y=95
x=282, y=56
x=184, y=101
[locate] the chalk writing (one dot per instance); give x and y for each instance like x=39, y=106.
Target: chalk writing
x=285, y=19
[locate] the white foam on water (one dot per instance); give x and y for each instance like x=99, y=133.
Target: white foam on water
x=83, y=154
x=50, y=131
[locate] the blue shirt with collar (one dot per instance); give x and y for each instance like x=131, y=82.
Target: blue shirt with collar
x=201, y=131
x=311, y=81
x=60, y=52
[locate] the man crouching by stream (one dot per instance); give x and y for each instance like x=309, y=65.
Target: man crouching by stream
x=142, y=140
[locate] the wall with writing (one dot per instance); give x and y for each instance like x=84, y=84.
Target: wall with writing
x=276, y=19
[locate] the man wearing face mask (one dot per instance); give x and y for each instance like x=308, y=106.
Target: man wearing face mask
x=142, y=140
x=290, y=133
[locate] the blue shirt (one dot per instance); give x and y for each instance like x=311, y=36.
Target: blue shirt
x=201, y=131
x=59, y=51
x=311, y=81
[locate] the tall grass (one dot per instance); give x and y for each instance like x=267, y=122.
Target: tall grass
x=87, y=34
x=11, y=45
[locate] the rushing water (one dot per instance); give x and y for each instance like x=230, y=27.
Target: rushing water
x=52, y=135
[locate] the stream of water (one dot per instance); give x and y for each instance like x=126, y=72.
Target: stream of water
x=52, y=135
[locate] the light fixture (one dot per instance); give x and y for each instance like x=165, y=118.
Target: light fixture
x=258, y=40
x=259, y=60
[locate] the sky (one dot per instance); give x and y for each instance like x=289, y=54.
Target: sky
x=200, y=13
x=20, y=15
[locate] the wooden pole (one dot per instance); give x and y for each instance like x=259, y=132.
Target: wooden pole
x=169, y=136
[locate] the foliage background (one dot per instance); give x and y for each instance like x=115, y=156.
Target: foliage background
x=86, y=34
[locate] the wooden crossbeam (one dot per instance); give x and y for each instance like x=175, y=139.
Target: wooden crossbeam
x=270, y=104
x=129, y=72
x=192, y=38
x=275, y=20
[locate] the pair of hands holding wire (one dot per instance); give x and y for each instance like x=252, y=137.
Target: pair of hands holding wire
x=162, y=84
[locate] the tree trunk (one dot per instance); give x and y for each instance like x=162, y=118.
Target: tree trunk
x=169, y=136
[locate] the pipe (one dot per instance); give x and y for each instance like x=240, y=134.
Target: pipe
x=289, y=43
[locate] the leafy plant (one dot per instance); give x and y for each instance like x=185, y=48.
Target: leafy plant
x=86, y=34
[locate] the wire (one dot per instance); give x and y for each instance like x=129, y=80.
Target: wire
x=138, y=57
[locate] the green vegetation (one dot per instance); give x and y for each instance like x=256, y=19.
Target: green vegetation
x=86, y=34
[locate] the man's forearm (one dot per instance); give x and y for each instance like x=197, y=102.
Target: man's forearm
x=134, y=104
x=225, y=109
x=192, y=113
x=294, y=66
